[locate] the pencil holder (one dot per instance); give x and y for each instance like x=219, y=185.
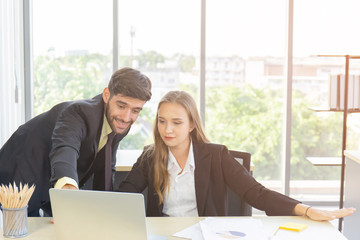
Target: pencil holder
x=15, y=222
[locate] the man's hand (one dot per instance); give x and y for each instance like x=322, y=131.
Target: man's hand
x=69, y=186
x=66, y=186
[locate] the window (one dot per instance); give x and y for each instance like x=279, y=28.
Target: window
x=244, y=108
x=245, y=49
x=73, y=55
x=11, y=69
x=163, y=42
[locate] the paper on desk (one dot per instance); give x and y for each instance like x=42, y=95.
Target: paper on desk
x=193, y=232
x=225, y=228
x=233, y=228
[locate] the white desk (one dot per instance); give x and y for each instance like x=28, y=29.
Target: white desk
x=42, y=229
x=125, y=159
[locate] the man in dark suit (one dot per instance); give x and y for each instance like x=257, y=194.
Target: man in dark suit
x=66, y=146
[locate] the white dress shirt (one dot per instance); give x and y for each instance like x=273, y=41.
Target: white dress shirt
x=180, y=200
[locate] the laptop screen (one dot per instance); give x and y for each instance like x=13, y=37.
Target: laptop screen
x=85, y=214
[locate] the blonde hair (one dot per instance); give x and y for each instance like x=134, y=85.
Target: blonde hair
x=160, y=150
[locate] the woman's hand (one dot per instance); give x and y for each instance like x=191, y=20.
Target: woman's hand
x=325, y=215
x=320, y=214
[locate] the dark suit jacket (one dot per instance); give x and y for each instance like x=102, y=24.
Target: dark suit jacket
x=60, y=142
x=214, y=169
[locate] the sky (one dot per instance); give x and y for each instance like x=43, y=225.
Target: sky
x=233, y=27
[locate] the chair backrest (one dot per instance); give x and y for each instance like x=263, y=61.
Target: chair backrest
x=237, y=206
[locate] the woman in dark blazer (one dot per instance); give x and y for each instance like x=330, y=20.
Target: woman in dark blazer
x=187, y=176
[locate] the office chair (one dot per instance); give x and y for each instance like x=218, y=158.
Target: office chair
x=237, y=206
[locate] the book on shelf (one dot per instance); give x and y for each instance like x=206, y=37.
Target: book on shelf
x=333, y=92
x=337, y=92
x=341, y=89
x=357, y=92
x=350, y=92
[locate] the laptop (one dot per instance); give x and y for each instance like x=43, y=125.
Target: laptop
x=85, y=214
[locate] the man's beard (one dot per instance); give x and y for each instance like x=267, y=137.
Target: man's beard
x=112, y=119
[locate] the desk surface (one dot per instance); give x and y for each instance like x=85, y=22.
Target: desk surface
x=42, y=229
x=125, y=159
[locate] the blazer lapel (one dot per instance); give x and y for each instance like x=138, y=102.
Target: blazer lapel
x=202, y=159
x=94, y=111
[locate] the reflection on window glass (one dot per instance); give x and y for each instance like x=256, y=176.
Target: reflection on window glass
x=72, y=42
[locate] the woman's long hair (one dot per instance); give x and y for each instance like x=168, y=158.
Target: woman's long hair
x=160, y=149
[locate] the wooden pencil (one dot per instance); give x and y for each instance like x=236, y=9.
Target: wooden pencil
x=15, y=199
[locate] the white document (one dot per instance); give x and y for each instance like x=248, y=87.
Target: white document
x=225, y=228
x=193, y=232
x=244, y=229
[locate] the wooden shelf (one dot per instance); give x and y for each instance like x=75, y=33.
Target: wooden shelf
x=349, y=56
x=323, y=109
x=325, y=161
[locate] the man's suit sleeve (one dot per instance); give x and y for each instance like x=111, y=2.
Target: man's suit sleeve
x=69, y=131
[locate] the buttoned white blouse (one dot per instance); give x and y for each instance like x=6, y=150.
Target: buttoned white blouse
x=180, y=200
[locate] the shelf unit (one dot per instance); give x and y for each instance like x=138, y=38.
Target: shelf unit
x=345, y=113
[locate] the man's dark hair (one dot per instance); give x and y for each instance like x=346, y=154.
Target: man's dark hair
x=130, y=83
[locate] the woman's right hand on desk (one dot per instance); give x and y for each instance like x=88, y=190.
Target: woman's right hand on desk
x=320, y=214
x=326, y=215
